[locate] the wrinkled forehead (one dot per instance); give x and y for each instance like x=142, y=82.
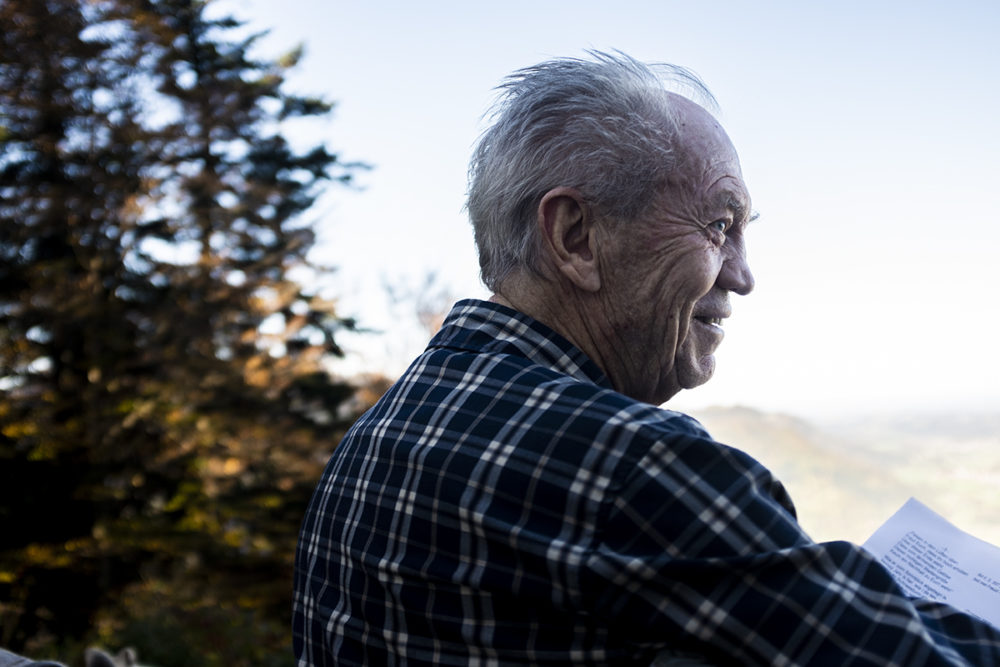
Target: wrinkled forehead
x=698, y=134
x=706, y=173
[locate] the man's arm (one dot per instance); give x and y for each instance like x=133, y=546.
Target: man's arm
x=699, y=555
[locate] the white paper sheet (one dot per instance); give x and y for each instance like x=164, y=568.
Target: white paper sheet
x=932, y=558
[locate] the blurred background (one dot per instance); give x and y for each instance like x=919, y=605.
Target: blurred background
x=226, y=226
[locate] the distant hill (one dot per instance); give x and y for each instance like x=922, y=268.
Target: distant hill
x=848, y=477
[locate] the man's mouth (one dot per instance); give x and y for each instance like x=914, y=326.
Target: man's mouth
x=708, y=328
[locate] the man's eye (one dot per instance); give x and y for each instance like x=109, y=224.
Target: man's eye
x=721, y=226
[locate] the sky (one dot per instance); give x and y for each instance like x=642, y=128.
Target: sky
x=866, y=131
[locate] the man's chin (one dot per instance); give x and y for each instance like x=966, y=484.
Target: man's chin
x=694, y=373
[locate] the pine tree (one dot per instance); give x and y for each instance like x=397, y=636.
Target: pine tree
x=163, y=392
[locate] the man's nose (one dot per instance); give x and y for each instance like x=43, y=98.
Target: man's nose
x=736, y=275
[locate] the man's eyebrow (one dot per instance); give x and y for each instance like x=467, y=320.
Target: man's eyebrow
x=739, y=209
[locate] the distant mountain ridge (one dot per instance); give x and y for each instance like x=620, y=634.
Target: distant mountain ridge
x=846, y=478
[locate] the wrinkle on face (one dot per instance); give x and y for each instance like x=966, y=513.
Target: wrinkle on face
x=660, y=268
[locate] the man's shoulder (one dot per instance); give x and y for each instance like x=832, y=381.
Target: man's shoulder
x=516, y=388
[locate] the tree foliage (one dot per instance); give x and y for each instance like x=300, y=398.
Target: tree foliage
x=163, y=392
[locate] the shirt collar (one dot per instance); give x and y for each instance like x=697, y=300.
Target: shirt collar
x=485, y=326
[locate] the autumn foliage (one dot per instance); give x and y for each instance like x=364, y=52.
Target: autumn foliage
x=165, y=405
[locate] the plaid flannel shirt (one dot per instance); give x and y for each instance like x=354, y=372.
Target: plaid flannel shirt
x=502, y=504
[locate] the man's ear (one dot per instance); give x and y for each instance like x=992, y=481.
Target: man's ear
x=569, y=237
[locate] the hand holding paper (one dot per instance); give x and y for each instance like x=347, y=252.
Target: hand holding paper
x=933, y=559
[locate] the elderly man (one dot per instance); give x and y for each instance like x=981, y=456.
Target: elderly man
x=518, y=498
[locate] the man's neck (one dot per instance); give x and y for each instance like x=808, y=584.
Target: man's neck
x=566, y=312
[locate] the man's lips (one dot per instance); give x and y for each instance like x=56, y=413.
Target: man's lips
x=710, y=311
x=714, y=315
x=709, y=320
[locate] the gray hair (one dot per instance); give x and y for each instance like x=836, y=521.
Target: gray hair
x=603, y=126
